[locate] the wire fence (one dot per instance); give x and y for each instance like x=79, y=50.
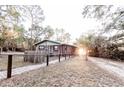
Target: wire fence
x=10, y=61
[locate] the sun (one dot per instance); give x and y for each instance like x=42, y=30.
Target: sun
x=81, y=51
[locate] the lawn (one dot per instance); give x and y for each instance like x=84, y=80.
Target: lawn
x=18, y=61
x=74, y=72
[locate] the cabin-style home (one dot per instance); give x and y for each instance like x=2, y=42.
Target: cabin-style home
x=67, y=49
x=51, y=48
x=55, y=48
x=47, y=46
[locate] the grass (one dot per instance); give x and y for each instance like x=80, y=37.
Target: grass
x=17, y=62
x=75, y=72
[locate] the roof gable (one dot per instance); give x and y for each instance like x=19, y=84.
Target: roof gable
x=47, y=41
x=54, y=42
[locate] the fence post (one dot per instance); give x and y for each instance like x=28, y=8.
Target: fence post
x=47, y=60
x=65, y=56
x=59, y=57
x=69, y=55
x=9, y=68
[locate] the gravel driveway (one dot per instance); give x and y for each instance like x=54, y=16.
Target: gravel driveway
x=75, y=72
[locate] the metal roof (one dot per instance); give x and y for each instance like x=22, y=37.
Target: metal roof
x=68, y=45
x=46, y=40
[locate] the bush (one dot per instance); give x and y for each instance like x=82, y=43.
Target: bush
x=110, y=51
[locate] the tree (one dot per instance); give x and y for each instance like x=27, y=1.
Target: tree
x=112, y=20
x=48, y=32
x=34, y=13
x=62, y=36
x=9, y=17
x=95, y=44
x=101, y=13
x=37, y=32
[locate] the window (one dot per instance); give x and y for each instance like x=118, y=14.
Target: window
x=55, y=47
x=41, y=47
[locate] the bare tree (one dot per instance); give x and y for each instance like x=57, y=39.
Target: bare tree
x=48, y=32
x=111, y=17
x=34, y=13
x=62, y=36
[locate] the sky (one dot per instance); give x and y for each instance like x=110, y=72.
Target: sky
x=66, y=14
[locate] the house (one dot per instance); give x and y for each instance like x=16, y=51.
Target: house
x=47, y=46
x=55, y=48
x=51, y=48
x=67, y=49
